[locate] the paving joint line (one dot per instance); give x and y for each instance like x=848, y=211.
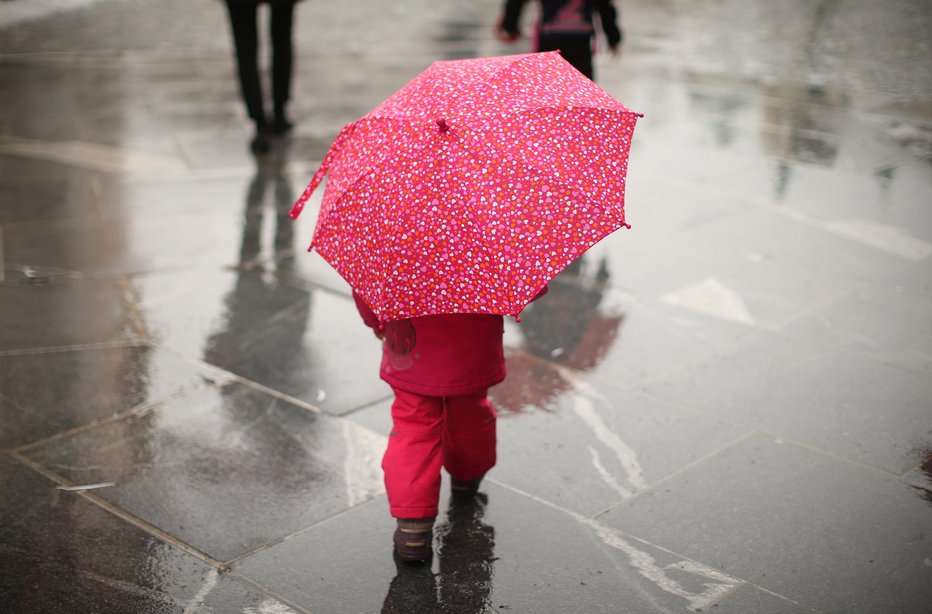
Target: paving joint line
x=54, y=349
x=226, y=377
x=577, y=516
x=135, y=411
x=256, y=584
x=776, y=436
x=676, y=473
x=267, y=546
x=123, y=514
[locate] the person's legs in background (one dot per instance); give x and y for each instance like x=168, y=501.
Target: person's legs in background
x=243, y=17
x=280, y=26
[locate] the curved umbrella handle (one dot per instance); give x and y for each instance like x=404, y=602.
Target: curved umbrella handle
x=335, y=149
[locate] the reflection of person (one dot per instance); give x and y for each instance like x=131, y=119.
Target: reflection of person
x=569, y=327
x=244, y=24
x=467, y=557
x=555, y=328
x=565, y=25
x=440, y=368
x=257, y=298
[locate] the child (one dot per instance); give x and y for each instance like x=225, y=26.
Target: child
x=440, y=368
x=564, y=25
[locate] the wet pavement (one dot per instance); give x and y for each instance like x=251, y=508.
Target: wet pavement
x=727, y=408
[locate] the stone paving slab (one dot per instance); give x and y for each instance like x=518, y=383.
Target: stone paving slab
x=61, y=552
x=74, y=312
x=845, y=403
x=227, y=469
x=796, y=527
x=555, y=562
x=48, y=393
x=740, y=379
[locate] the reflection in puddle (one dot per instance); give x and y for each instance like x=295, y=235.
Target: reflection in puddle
x=572, y=331
x=925, y=470
x=568, y=327
x=803, y=124
x=465, y=548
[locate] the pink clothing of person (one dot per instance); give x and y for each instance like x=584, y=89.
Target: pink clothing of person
x=428, y=432
x=440, y=368
x=441, y=355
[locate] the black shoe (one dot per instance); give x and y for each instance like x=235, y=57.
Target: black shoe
x=464, y=490
x=261, y=143
x=281, y=126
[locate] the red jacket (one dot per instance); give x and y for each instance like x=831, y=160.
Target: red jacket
x=441, y=355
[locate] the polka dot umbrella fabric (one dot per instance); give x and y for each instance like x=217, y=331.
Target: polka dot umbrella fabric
x=472, y=186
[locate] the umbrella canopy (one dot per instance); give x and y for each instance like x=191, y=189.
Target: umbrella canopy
x=472, y=186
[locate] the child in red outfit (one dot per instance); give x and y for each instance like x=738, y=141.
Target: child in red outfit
x=440, y=368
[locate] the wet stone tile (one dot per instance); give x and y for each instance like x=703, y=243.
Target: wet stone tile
x=308, y=344
x=318, y=351
x=489, y=557
x=171, y=224
x=586, y=446
x=376, y=417
x=46, y=393
x=784, y=518
x=86, y=244
x=916, y=278
x=843, y=402
x=60, y=552
x=748, y=598
x=802, y=241
x=892, y=324
x=892, y=196
x=167, y=224
x=922, y=473
x=69, y=197
x=615, y=338
x=217, y=150
x=60, y=314
x=226, y=469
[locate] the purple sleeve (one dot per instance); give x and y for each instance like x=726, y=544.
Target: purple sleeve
x=367, y=316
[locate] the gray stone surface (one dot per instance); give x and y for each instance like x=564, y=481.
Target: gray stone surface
x=794, y=522
x=725, y=408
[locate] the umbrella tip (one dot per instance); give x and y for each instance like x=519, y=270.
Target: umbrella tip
x=442, y=124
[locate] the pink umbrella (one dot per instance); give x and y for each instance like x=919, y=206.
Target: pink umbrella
x=472, y=186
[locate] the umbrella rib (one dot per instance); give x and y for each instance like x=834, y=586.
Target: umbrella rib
x=578, y=249
x=369, y=171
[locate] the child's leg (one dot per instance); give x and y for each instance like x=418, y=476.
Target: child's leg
x=413, y=458
x=468, y=436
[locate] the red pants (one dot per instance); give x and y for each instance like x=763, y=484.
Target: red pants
x=457, y=433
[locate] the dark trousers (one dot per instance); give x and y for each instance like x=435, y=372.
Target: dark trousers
x=575, y=50
x=244, y=23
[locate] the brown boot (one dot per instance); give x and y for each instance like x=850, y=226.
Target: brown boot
x=414, y=539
